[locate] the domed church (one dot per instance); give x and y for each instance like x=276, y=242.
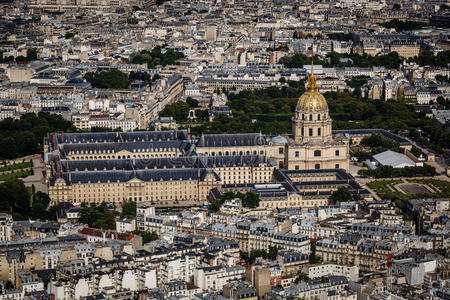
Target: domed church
x=313, y=145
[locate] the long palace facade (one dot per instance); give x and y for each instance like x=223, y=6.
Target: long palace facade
x=171, y=168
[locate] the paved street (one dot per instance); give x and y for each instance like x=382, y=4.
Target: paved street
x=38, y=178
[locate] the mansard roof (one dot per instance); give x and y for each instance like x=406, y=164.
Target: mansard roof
x=142, y=175
x=114, y=147
x=235, y=160
x=121, y=137
x=163, y=163
x=232, y=140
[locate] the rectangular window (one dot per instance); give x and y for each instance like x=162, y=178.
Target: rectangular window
x=310, y=132
x=297, y=154
x=297, y=167
x=319, y=131
x=337, y=152
x=280, y=150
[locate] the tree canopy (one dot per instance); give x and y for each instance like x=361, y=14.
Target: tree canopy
x=156, y=57
x=399, y=25
x=427, y=58
x=333, y=59
x=24, y=136
x=23, y=202
x=388, y=171
x=249, y=200
x=98, y=217
x=250, y=257
x=342, y=194
x=270, y=111
x=129, y=209
x=340, y=36
x=147, y=237
x=112, y=79
x=178, y=110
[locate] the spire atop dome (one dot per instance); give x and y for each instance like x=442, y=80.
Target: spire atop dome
x=312, y=80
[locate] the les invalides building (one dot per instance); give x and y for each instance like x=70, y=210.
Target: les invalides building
x=312, y=145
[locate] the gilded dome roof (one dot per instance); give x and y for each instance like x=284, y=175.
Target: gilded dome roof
x=312, y=100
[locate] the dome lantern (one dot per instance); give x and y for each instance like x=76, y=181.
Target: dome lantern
x=312, y=100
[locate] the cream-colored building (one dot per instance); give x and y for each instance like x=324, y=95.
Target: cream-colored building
x=313, y=145
x=19, y=74
x=61, y=5
x=405, y=49
x=169, y=168
x=176, y=181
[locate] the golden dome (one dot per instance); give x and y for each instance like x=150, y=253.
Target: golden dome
x=312, y=100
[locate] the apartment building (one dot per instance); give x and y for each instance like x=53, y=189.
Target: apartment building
x=6, y=223
x=405, y=49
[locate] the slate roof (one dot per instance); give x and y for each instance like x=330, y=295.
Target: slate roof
x=163, y=163
x=143, y=175
x=232, y=140
x=121, y=137
x=115, y=147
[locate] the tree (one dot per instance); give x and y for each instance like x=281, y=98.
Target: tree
x=98, y=217
x=192, y=102
x=52, y=213
x=24, y=136
x=273, y=252
x=215, y=205
x=21, y=59
x=144, y=76
x=397, y=6
x=342, y=194
x=301, y=277
x=155, y=57
x=147, y=237
x=178, y=110
x=31, y=54
x=113, y=79
x=9, y=285
x=250, y=200
x=69, y=35
x=15, y=197
x=339, y=36
x=313, y=258
x=129, y=209
x=444, y=102
x=8, y=148
x=399, y=25
x=156, y=77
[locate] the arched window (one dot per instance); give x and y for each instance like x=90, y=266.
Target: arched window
x=303, y=117
x=317, y=153
x=318, y=117
x=310, y=117
x=310, y=132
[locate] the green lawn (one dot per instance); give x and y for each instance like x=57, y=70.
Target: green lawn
x=442, y=186
x=22, y=174
x=16, y=166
